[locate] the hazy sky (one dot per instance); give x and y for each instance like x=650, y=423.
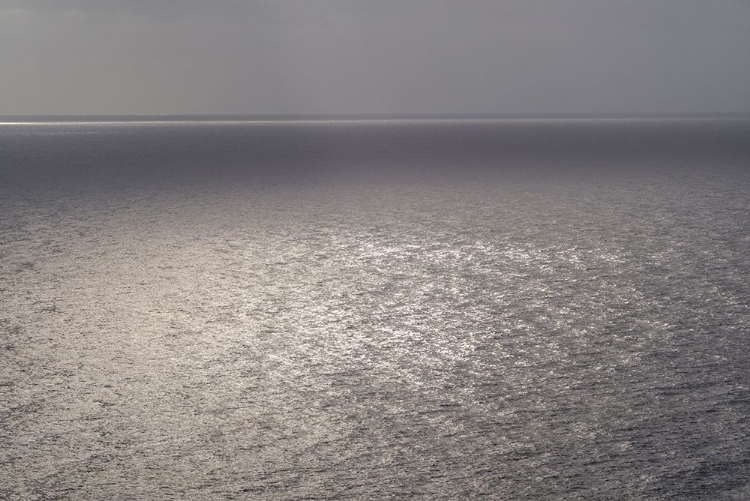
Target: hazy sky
x=377, y=56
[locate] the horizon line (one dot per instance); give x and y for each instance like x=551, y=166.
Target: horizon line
x=324, y=117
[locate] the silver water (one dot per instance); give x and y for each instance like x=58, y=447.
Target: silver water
x=446, y=337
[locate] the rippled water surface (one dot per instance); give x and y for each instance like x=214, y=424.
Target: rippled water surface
x=449, y=339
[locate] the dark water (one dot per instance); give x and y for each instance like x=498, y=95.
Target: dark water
x=372, y=310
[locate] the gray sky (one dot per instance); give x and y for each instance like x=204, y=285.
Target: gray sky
x=377, y=56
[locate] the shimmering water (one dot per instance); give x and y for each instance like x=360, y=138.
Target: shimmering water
x=234, y=336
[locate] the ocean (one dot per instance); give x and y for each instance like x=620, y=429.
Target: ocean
x=375, y=309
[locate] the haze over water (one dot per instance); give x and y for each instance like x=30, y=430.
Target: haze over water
x=446, y=309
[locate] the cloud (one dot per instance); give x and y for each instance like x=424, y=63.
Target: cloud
x=349, y=56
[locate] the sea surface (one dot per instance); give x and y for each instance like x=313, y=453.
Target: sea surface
x=375, y=309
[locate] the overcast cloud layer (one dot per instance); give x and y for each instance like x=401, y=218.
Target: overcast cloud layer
x=349, y=56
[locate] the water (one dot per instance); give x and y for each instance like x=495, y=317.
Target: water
x=295, y=311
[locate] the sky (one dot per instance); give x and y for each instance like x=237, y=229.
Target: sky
x=377, y=56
